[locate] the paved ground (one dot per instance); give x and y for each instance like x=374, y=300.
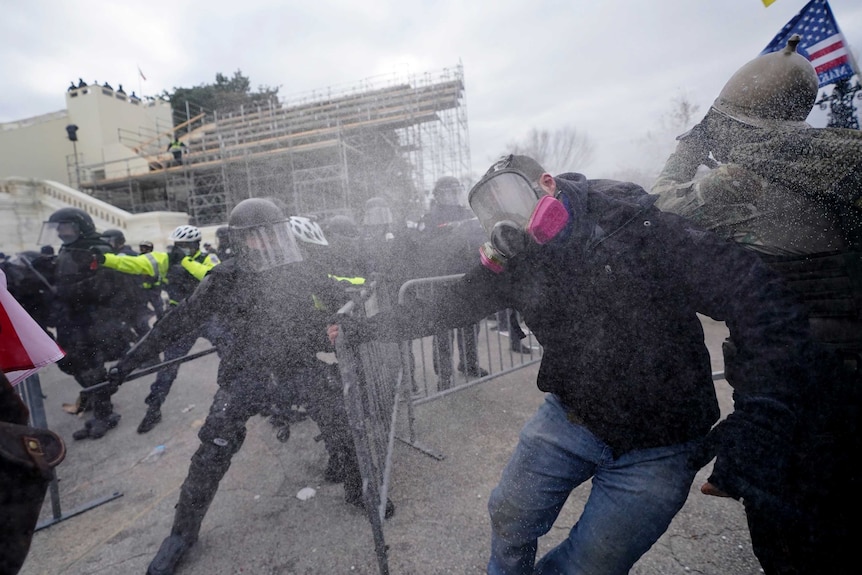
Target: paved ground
x=256, y=524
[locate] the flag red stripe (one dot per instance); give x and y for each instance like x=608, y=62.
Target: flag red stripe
x=831, y=64
x=831, y=48
x=13, y=354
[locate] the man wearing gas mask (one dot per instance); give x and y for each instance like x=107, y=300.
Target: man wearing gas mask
x=630, y=401
x=274, y=306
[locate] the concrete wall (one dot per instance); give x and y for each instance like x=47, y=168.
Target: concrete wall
x=26, y=203
x=111, y=129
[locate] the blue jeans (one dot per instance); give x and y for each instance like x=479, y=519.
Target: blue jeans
x=631, y=503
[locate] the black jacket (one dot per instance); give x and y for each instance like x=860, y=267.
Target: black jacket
x=613, y=301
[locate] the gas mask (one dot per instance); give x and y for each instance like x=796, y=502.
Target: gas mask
x=515, y=215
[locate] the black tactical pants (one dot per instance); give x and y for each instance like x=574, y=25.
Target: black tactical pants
x=224, y=431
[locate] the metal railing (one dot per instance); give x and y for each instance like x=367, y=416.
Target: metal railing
x=375, y=375
x=484, y=351
x=372, y=377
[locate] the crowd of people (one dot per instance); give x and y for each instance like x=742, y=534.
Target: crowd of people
x=755, y=221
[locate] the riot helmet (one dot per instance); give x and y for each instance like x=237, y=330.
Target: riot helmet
x=261, y=236
x=776, y=87
x=67, y=224
x=340, y=225
x=145, y=246
x=448, y=191
x=377, y=212
x=114, y=237
x=186, y=239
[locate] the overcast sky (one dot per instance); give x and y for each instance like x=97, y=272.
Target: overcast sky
x=608, y=68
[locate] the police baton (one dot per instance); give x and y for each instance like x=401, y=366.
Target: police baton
x=149, y=370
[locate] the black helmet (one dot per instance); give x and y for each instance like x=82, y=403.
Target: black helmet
x=377, y=212
x=448, y=191
x=67, y=224
x=261, y=236
x=340, y=225
x=74, y=216
x=114, y=237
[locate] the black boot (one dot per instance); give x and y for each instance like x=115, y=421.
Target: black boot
x=97, y=427
x=172, y=550
x=519, y=347
x=151, y=418
x=472, y=370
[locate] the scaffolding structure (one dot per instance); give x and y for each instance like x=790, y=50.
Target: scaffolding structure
x=320, y=153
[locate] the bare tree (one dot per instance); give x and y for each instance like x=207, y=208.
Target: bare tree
x=563, y=150
x=656, y=145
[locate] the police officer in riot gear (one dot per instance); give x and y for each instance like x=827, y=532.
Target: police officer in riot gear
x=183, y=267
x=791, y=193
x=223, y=249
x=275, y=306
x=133, y=300
x=87, y=327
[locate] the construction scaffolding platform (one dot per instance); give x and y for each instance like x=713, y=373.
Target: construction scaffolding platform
x=319, y=153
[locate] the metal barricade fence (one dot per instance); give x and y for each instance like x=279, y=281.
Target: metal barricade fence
x=372, y=377
x=484, y=351
x=30, y=391
x=375, y=376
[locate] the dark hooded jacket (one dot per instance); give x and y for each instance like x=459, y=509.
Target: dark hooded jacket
x=614, y=300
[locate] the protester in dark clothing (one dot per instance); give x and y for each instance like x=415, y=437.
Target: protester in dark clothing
x=266, y=296
x=630, y=400
x=790, y=193
x=88, y=328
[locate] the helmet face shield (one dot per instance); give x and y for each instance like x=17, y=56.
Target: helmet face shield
x=377, y=216
x=504, y=202
x=265, y=246
x=67, y=232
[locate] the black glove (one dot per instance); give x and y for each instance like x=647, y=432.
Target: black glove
x=98, y=255
x=175, y=256
x=118, y=373
x=752, y=447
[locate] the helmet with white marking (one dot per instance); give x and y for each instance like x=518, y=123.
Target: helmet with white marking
x=307, y=230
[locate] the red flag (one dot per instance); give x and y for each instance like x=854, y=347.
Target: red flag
x=24, y=346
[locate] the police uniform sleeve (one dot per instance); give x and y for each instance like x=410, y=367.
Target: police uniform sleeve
x=181, y=319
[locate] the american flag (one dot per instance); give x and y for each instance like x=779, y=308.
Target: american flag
x=822, y=42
